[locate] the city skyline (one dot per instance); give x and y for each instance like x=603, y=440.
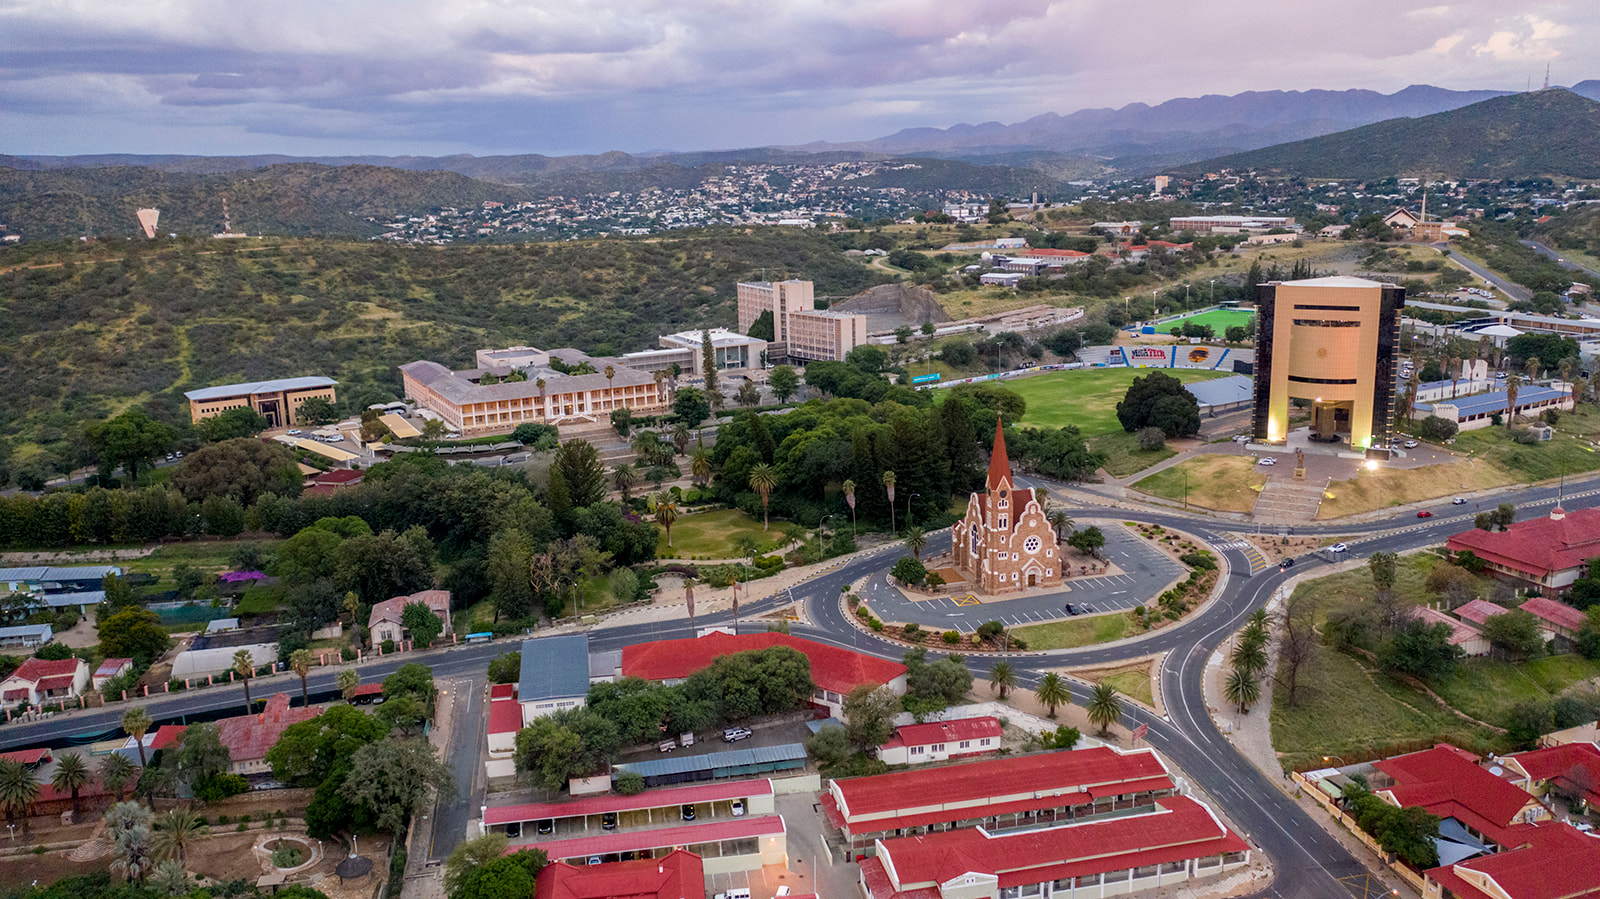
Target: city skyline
x=429, y=79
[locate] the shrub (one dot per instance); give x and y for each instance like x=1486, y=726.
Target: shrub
x=630, y=783
x=952, y=637
x=934, y=580
x=1151, y=438
x=388, y=647
x=875, y=624
x=220, y=786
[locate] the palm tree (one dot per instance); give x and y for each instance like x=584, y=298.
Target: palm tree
x=300, y=663
x=171, y=878
x=611, y=374
x=849, y=488
x=661, y=398
x=18, y=789
x=1052, y=692
x=544, y=402
x=348, y=680
x=136, y=721
x=1002, y=677
x=175, y=830
x=916, y=538
x=245, y=667
x=115, y=772
x=1059, y=520
x=352, y=604
x=128, y=828
x=688, y=600
x=763, y=481
x=72, y=775
x=1248, y=656
x=681, y=435
x=624, y=476
x=665, y=511
x=1512, y=383
x=1103, y=708
x=1242, y=689
x=1566, y=366
x=888, y=484
x=1532, y=367
x=700, y=466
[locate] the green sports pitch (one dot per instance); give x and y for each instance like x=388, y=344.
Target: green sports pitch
x=1087, y=397
x=1220, y=320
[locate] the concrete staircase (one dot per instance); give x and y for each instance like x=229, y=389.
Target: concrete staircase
x=1288, y=501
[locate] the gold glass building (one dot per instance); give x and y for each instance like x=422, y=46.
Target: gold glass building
x=1332, y=342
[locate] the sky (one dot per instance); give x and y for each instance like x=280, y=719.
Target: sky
x=406, y=77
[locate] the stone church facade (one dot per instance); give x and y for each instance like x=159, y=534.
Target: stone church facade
x=1004, y=543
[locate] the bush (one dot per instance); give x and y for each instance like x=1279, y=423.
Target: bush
x=630, y=783
x=1151, y=438
x=220, y=786
x=952, y=637
x=909, y=571
x=934, y=580
x=912, y=629
x=388, y=647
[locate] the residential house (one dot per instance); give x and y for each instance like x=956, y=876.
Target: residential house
x=38, y=680
x=677, y=875
x=938, y=741
x=25, y=636
x=1556, y=619
x=248, y=737
x=384, y=622
x=1568, y=768
x=109, y=669
x=1465, y=637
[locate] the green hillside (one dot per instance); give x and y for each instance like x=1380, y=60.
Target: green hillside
x=86, y=330
x=1543, y=133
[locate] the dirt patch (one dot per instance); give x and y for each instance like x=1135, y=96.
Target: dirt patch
x=20, y=871
x=1276, y=549
x=1135, y=679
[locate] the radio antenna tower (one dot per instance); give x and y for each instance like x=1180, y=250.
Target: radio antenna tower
x=1546, y=76
x=227, y=223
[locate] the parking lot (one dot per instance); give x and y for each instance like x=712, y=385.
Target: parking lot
x=809, y=870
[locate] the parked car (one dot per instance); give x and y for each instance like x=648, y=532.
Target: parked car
x=738, y=808
x=1337, y=548
x=1458, y=501
x=594, y=859
x=514, y=829
x=688, y=812
x=1412, y=444
x=1070, y=609
x=294, y=432
x=1285, y=564
x=546, y=826
x=735, y=734
x=1266, y=460
x=608, y=821
x=1424, y=514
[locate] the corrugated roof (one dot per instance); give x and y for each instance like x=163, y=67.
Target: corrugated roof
x=952, y=731
x=554, y=668
x=461, y=391
x=1495, y=400
x=82, y=598
x=1223, y=391
x=657, y=798
x=661, y=837
x=81, y=572
x=832, y=668
x=223, y=391
x=1556, y=613
x=712, y=761
x=677, y=875
x=1539, y=545
x=16, y=575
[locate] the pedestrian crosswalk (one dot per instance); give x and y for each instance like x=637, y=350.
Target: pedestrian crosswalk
x=1258, y=562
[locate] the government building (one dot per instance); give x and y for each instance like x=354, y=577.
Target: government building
x=1331, y=342
x=279, y=401
x=801, y=331
x=1004, y=543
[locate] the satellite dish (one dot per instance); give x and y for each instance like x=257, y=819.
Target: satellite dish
x=1497, y=770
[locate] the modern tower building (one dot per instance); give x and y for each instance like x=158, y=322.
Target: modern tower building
x=1331, y=342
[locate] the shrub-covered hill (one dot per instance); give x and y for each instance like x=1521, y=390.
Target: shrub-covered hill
x=86, y=330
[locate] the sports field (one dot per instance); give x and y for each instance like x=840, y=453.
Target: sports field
x=1086, y=398
x=1220, y=320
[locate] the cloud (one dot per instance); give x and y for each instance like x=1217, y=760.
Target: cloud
x=1532, y=41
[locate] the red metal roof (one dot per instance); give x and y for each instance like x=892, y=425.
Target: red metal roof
x=1537, y=546
x=110, y=667
x=595, y=805
x=503, y=691
x=1181, y=828
x=1447, y=783
x=52, y=684
x=1557, y=613
x=1046, y=253
x=34, y=670
x=1549, y=861
x=1479, y=610
x=1460, y=631
x=437, y=601
x=248, y=737
x=1557, y=763
x=505, y=717
x=339, y=476
x=373, y=689
x=26, y=756
x=660, y=838
x=676, y=875
x=1046, y=775
x=1126, y=787
x=167, y=735
x=879, y=886
x=832, y=668
x=945, y=732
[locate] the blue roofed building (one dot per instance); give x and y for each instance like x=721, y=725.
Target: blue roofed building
x=1478, y=410
x=555, y=675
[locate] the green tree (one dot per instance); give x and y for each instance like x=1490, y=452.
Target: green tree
x=869, y=715
x=300, y=664
x=244, y=468
x=1052, y=692
x=316, y=411
x=71, y=775
x=1385, y=569
x=1103, y=708
x=1002, y=677
x=174, y=831
x=128, y=827
x=580, y=466
x=621, y=419
x=763, y=480
x=423, y=625
x=1159, y=400
x=1087, y=541
x=116, y=772
x=763, y=328
x=378, y=566
x=889, y=478
x=201, y=754
x=829, y=746
x=708, y=362
x=1242, y=689
x=907, y=570
x=539, y=438
x=1419, y=650
x=245, y=667
x=1249, y=656
x=393, y=779
x=410, y=678
x=665, y=511
x=308, y=752
x=347, y=680
x=18, y=790
x=916, y=539
x=136, y=723
x=469, y=855
x=130, y=440
x=623, y=477
x=785, y=382
x=691, y=406
x=508, y=877
x=505, y=668
x=1515, y=632
x=233, y=424
x=134, y=633
x=749, y=394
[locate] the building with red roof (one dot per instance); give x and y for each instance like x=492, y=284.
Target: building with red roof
x=1555, y=618
x=30, y=758
x=1478, y=611
x=938, y=741
x=1448, y=782
x=676, y=875
x=1547, y=553
x=724, y=846
x=109, y=669
x=1179, y=839
x=718, y=799
x=505, y=719
x=1041, y=788
x=835, y=671
x=248, y=737
x=38, y=680
x=383, y=623
x=1568, y=768
x=1464, y=636
x=1549, y=861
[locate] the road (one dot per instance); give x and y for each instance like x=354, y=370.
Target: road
x=1514, y=291
x=1309, y=862
x=1560, y=259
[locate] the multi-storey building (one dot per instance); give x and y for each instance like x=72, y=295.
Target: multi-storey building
x=279, y=400
x=800, y=330
x=547, y=396
x=1231, y=224
x=1004, y=542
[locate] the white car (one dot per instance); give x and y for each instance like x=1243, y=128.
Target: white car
x=1267, y=460
x=1412, y=444
x=1337, y=548
x=294, y=432
x=1458, y=501
x=738, y=808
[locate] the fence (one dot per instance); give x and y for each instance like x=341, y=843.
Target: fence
x=1417, y=881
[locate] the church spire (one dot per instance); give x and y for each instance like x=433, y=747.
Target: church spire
x=999, y=462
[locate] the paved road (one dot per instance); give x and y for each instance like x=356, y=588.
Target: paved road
x=1560, y=259
x=1514, y=291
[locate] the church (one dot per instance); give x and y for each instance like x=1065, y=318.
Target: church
x=1004, y=542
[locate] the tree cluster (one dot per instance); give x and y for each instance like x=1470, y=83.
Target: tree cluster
x=1159, y=400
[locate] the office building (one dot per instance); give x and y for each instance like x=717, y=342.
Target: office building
x=1332, y=342
x=800, y=331
x=279, y=400
x=546, y=396
x=1231, y=224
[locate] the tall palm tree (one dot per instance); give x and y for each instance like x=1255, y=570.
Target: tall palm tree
x=115, y=772
x=171, y=878
x=136, y=721
x=1532, y=367
x=1052, y=692
x=688, y=599
x=665, y=511
x=888, y=485
x=763, y=481
x=849, y=488
x=1104, y=709
x=128, y=828
x=611, y=374
x=300, y=663
x=681, y=435
x=352, y=604
x=348, y=680
x=175, y=830
x=544, y=402
x=245, y=667
x=1512, y=384
x=1566, y=366
x=1002, y=677
x=1242, y=689
x=18, y=790
x=72, y=775
x=624, y=476
x=1061, y=521
x=700, y=466
x=916, y=538
x=1248, y=656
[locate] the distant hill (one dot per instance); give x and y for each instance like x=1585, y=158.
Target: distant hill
x=1551, y=132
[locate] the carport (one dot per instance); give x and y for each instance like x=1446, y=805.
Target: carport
x=716, y=765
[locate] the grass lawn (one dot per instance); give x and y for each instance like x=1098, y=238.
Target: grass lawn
x=1086, y=398
x=1224, y=483
x=712, y=535
x=1487, y=689
x=1349, y=588
x=1132, y=684
x=1220, y=320
x=1123, y=456
x=989, y=300
x=1075, y=632
x=1566, y=452
x=206, y=555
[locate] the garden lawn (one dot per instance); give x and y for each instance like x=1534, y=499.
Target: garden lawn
x=1349, y=588
x=1223, y=483
x=206, y=555
x=1487, y=690
x=1085, y=631
x=1220, y=320
x=1086, y=398
x=1567, y=453
x=712, y=535
x=1123, y=456
x=1132, y=684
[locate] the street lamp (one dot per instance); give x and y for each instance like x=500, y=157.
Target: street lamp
x=908, y=510
x=1329, y=758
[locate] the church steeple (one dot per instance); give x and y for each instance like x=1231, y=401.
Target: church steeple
x=999, y=462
